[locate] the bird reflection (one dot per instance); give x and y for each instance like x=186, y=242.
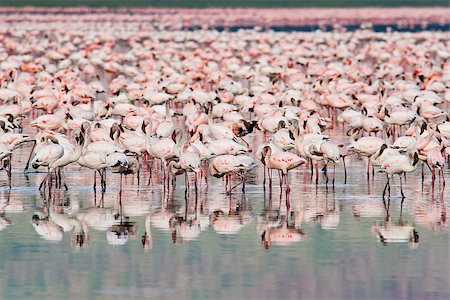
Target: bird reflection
x=80, y=235
x=147, y=238
x=233, y=220
x=161, y=217
x=389, y=230
x=5, y=202
x=280, y=229
x=8, y=205
x=367, y=208
x=120, y=233
x=57, y=217
x=45, y=226
x=4, y=221
x=190, y=223
x=431, y=213
x=329, y=219
x=99, y=218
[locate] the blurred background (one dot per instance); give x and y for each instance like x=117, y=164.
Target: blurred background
x=228, y=3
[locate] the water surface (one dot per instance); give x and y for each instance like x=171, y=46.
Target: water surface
x=212, y=245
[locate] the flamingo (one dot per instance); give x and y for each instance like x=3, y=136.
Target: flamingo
x=399, y=165
x=365, y=146
x=436, y=160
x=227, y=165
x=282, y=161
x=188, y=162
x=48, y=156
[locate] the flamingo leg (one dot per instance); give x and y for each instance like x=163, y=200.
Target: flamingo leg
x=281, y=177
x=174, y=182
x=288, y=206
x=59, y=177
x=205, y=174
x=138, y=170
x=43, y=182
x=401, y=186
x=423, y=175
x=195, y=182
x=188, y=185
x=50, y=179
x=288, y=188
x=264, y=180
x=63, y=178
x=270, y=177
x=385, y=187
x=103, y=175
x=164, y=180
x=345, y=170
x=101, y=179
x=150, y=172
x=389, y=189
x=334, y=171
x=8, y=171
x=29, y=157
x=368, y=167
x=226, y=184
x=120, y=185
x=317, y=173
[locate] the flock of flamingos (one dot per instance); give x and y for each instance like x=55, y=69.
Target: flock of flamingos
x=115, y=100
x=112, y=97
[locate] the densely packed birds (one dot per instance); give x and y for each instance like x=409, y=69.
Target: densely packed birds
x=112, y=97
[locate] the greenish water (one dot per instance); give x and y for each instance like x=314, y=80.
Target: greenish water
x=228, y=3
x=338, y=257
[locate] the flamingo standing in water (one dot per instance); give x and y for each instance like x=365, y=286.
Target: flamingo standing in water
x=365, y=146
x=188, y=162
x=47, y=156
x=282, y=161
x=399, y=165
x=227, y=165
x=164, y=149
x=436, y=161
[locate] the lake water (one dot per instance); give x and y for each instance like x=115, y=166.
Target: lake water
x=143, y=244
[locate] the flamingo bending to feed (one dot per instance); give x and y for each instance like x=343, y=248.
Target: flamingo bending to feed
x=227, y=165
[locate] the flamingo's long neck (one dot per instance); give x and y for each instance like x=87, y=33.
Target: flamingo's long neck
x=210, y=117
x=385, y=137
x=87, y=140
x=353, y=136
x=168, y=118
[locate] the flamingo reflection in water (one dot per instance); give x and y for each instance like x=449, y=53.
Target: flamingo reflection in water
x=276, y=229
x=4, y=221
x=232, y=217
x=188, y=223
x=52, y=221
x=389, y=230
x=431, y=212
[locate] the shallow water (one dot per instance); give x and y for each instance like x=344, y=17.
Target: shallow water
x=211, y=245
